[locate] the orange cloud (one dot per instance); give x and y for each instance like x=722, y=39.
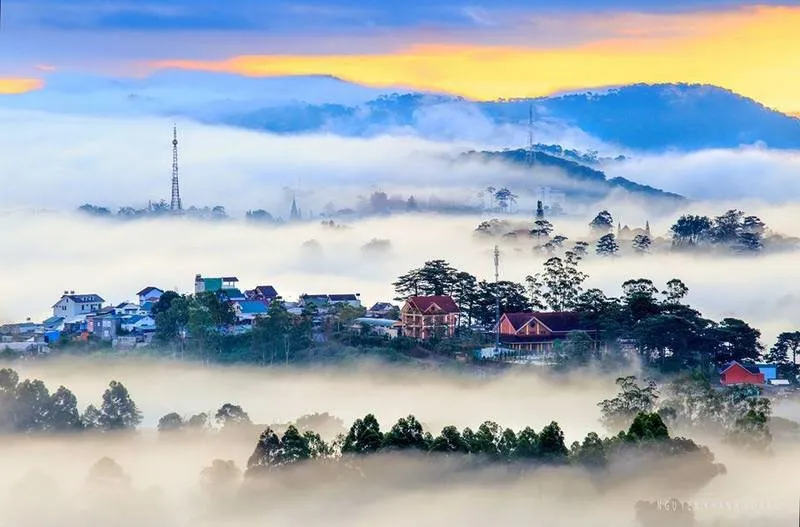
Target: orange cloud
x=17, y=86
x=753, y=51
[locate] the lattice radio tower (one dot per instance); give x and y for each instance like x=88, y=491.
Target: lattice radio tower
x=175, y=203
x=530, y=156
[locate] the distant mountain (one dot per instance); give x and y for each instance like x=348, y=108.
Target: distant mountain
x=663, y=116
x=582, y=181
x=638, y=117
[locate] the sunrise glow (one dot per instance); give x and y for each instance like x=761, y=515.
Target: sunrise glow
x=752, y=51
x=17, y=86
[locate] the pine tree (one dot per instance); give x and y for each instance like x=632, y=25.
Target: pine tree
x=607, y=245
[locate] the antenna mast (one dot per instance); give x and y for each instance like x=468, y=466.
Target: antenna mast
x=175, y=204
x=497, y=297
x=531, y=155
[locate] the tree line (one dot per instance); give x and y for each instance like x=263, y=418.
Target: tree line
x=739, y=415
x=667, y=333
x=646, y=437
x=28, y=407
x=734, y=230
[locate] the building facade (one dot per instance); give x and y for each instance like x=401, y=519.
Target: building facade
x=72, y=305
x=538, y=333
x=737, y=373
x=423, y=317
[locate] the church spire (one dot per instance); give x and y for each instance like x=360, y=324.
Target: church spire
x=295, y=213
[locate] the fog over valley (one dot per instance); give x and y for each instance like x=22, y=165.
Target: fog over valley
x=240, y=289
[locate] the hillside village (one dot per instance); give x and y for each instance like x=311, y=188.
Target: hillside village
x=524, y=337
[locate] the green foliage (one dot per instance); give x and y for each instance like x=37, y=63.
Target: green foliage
x=558, y=286
x=607, y=245
x=364, y=436
x=784, y=354
x=118, y=412
x=171, y=422
x=407, y=433
x=602, y=223
x=648, y=427
x=231, y=415
x=633, y=399
x=450, y=441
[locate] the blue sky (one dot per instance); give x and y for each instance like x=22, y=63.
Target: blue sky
x=502, y=48
x=332, y=15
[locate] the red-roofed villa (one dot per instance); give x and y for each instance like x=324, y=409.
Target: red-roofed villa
x=422, y=317
x=537, y=333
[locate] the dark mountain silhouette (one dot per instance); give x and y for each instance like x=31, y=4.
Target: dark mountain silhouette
x=589, y=182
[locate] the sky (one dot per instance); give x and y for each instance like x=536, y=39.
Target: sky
x=506, y=48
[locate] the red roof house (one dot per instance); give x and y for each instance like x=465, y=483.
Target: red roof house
x=538, y=332
x=738, y=373
x=422, y=317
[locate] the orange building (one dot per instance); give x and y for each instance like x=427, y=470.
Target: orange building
x=422, y=317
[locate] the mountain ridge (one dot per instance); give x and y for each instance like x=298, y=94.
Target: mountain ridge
x=637, y=117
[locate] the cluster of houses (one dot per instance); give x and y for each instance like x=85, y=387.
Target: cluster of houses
x=526, y=337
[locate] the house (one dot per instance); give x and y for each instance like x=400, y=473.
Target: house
x=231, y=295
x=248, y=310
x=538, y=332
x=128, y=308
x=213, y=285
x=326, y=301
x=53, y=323
x=379, y=326
x=18, y=330
x=770, y=371
x=265, y=293
x=423, y=317
x=106, y=326
x=71, y=305
x=738, y=373
x=381, y=310
x=149, y=295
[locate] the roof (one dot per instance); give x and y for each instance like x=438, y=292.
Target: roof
x=123, y=304
x=52, y=321
x=252, y=307
x=148, y=289
x=343, y=298
x=267, y=291
x=555, y=321
x=82, y=299
x=424, y=303
x=382, y=306
x=751, y=368
x=229, y=279
x=232, y=293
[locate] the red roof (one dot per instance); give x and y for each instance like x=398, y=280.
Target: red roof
x=555, y=321
x=424, y=303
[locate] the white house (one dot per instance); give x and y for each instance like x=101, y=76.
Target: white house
x=72, y=305
x=129, y=308
x=149, y=294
